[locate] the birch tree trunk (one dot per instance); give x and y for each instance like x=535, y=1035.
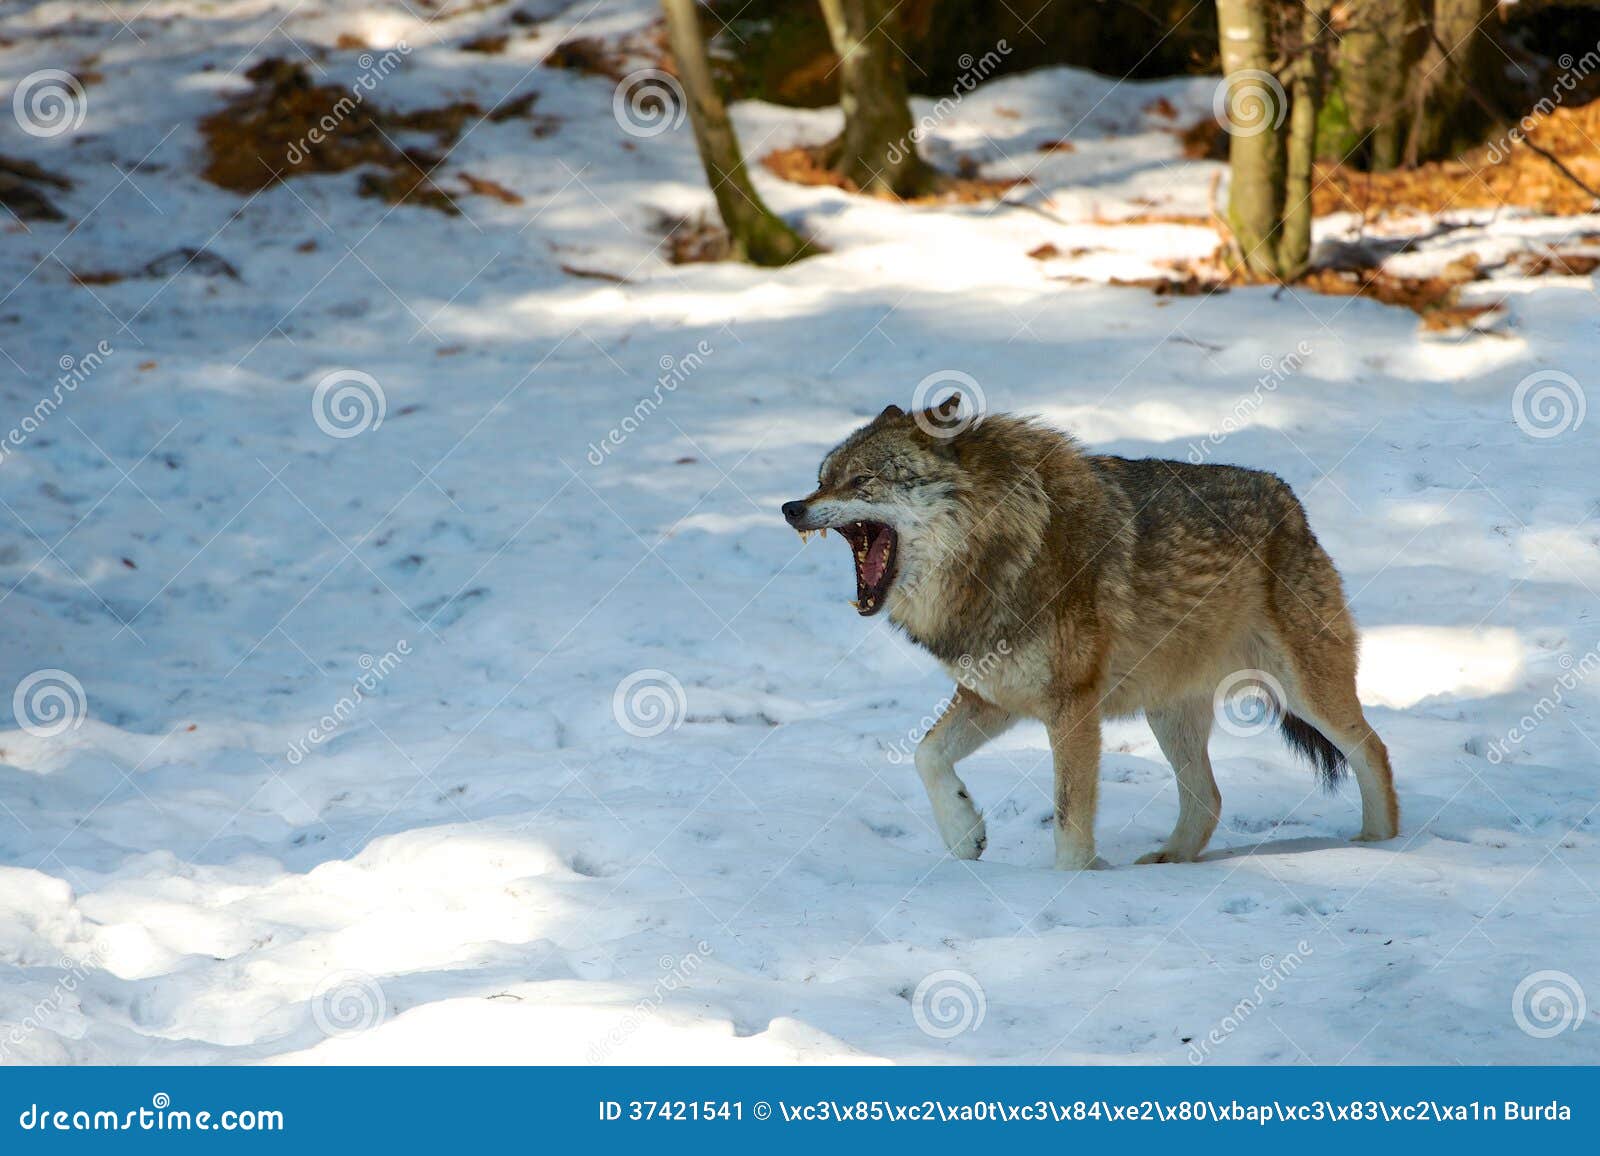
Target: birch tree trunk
x=757, y=234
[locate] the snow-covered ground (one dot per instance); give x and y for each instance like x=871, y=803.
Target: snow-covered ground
x=485, y=854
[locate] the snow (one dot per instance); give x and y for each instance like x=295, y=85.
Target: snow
x=350, y=785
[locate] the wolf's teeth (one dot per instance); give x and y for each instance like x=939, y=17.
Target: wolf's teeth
x=856, y=604
x=824, y=531
x=805, y=536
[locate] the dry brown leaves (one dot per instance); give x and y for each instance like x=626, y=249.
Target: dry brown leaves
x=287, y=126
x=804, y=166
x=693, y=240
x=1494, y=175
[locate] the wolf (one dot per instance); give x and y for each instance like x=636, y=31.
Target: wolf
x=1071, y=587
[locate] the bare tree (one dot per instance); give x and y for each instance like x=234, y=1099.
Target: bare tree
x=758, y=235
x=1256, y=105
x=1306, y=76
x=1272, y=127
x=876, y=150
x=1416, y=78
x=1378, y=52
x=1457, y=61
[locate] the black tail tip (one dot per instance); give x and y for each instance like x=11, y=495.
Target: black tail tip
x=1315, y=747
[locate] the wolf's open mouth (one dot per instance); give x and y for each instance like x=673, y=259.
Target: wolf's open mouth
x=873, y=545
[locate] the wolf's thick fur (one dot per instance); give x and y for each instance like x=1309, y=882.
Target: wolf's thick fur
x=1069, y=587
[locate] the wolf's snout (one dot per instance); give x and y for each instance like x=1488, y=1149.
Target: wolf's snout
x=794, y=511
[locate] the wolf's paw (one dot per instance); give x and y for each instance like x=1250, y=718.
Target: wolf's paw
x=1165, y=855
x=972, y=844
x=1078, y=863
x=960, y=826
x=1373, y=837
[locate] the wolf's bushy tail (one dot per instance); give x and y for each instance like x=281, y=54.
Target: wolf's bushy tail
x=1315, y=747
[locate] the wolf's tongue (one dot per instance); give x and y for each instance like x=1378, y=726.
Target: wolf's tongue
x=877, y=558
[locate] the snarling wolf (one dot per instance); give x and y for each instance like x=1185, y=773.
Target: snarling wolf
x=1069, y=587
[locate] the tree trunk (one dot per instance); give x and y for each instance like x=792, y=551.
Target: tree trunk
x=757, y=234
x=1447, y=119
x=876, y=150
x=1305, y=99
x=1255, y=113
x=1377, y=55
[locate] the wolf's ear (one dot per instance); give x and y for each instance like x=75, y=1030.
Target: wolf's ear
x=949, y=407
x=890, y=411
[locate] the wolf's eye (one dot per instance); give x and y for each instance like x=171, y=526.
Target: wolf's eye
x=859, y=480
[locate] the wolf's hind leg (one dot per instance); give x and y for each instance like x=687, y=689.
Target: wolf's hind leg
x=968, y=723
x=1318, y=659
x=1331, y=706
x=1182, y=730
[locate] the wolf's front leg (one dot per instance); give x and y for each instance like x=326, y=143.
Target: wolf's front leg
x=1075, y=742
x=966, y=724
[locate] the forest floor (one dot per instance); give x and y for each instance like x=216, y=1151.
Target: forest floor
x=363, y=765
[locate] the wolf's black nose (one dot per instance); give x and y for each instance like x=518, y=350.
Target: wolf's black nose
x=794, y=511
